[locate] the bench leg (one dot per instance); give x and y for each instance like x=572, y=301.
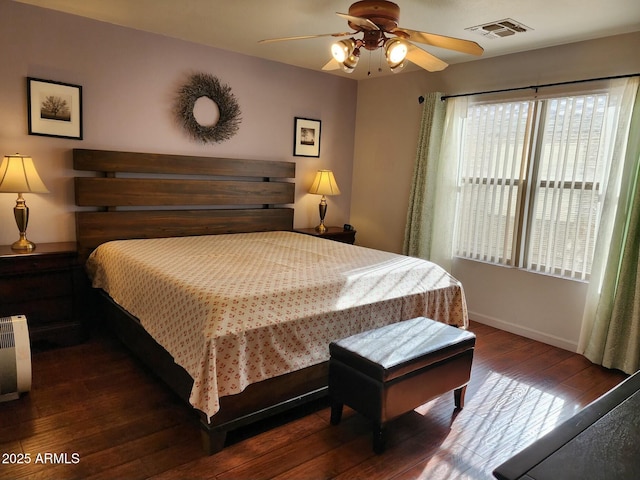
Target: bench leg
x=336, y=413
x=379, y=439
x=458, y=396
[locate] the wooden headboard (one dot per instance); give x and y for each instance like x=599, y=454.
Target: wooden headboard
x=144, y=195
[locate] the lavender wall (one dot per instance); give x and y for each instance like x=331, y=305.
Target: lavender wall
x=129, y=80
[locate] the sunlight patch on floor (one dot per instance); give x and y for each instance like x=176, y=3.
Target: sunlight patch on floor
x=506, y=415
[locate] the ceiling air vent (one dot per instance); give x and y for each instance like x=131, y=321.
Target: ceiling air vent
x=502, y=28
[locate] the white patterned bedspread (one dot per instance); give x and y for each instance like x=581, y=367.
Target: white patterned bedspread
x=237, y=309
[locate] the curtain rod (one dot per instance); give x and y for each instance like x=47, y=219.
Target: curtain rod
x=536, y=87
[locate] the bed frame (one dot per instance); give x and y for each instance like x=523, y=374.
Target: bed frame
x=139, y=195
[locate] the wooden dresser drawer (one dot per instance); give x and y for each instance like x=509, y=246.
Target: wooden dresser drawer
x=24, y=264
x=45, y=311
x=23, y=288
x=46, y=286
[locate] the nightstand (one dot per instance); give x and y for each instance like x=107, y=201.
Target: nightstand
x=333, y=233
x=46, y=286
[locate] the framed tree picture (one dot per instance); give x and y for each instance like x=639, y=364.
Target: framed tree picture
x=54, y=108
x=306, y=137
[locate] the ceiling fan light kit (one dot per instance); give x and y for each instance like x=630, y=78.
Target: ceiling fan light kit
x=395, y=51
x=377, y=21
x=342, y=49
x=346, y=53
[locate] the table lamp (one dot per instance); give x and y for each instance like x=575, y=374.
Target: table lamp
x=324, y=184
x=18, y=175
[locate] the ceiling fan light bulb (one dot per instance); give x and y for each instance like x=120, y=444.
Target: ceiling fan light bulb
x=395, y=51
x=338, y=53
x=342, y=49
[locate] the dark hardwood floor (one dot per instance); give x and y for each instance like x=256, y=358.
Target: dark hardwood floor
x=113, y=420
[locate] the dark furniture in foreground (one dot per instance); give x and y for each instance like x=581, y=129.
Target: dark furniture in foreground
x=600, y=442
x=391, y=370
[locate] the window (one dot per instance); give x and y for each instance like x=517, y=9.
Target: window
x=531, y=180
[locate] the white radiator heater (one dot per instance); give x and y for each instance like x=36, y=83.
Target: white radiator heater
x=15, y=357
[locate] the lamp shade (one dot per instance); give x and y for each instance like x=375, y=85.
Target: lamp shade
x=18, y=174
x=324, y=184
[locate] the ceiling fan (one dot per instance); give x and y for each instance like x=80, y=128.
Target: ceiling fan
x=377, y=20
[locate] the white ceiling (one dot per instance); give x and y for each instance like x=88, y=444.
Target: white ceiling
x=238, y=25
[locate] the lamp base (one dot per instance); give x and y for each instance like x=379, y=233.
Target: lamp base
x=23, y=245
x=323, y=211
x=321, y=228
x=21, y=214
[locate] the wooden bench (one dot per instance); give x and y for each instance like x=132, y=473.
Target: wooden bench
x=391, y=370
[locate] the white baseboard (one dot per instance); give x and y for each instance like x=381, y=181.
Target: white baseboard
x=525, y=332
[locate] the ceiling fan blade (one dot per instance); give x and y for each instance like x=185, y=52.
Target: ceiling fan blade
x=304, y=37
x=363, y=23
x=425, y=59
x=331, y=65
x=450, y=43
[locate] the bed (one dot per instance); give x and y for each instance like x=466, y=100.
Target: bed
x=202, y=276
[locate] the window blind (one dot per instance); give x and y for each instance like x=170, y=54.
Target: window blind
x=575, y=146
x=493, y=157
x=532, y=175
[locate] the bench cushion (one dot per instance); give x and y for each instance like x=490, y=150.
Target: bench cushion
x=395, y=350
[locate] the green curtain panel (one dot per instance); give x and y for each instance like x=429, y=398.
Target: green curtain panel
x=417, y=238
x=611, y=330
x=430, y=218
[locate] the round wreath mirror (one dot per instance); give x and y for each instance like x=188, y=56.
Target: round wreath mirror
x=207, y=109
